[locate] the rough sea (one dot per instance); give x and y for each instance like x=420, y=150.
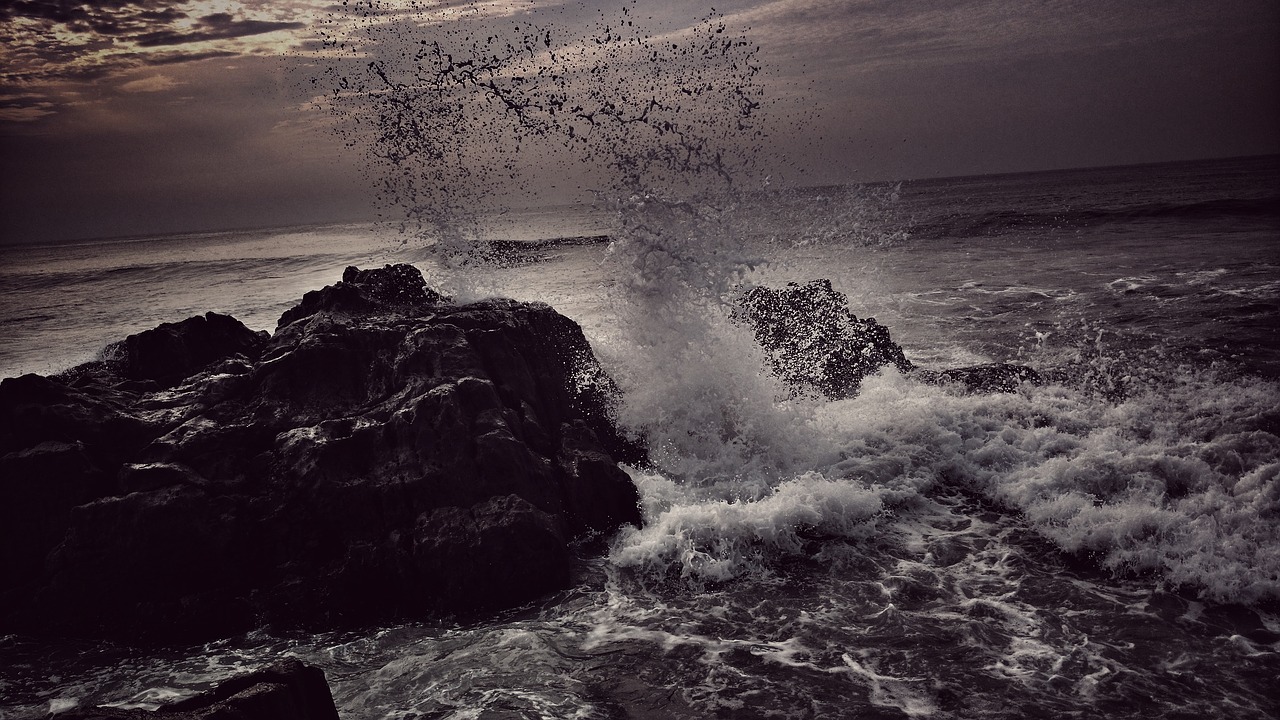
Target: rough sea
x=1108, y=546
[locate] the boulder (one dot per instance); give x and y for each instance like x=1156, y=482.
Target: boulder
x=813, y=342
x=172, y=352
x=988, y=378
x=288, y=690
x=817, y=346
x=385, y=454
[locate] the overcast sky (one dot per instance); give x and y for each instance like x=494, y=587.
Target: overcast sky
x=132, y=117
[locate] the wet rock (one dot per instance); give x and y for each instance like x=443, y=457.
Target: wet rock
x=813, y=341
x=173, y=352
x=816, y=345
x=43, y=484
x=398, y=288
x=384, y=455
x=288, y=690
x=990, y=378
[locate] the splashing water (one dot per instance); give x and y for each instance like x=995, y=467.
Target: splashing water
x=455, y=106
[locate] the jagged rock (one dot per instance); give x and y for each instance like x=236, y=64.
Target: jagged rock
x=395, y=287
x=816, y=345
x=813, y=341
x=172, y=352
x=385, y=454
x=989, y=378
x=288, y=690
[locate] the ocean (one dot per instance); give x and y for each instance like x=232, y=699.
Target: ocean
x=1104, y=546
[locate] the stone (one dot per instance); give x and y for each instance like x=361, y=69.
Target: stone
x=385, y=454
x=172, y=352
x=813, y=342
x=817, y=346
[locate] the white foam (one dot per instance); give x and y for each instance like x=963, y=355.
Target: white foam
x=1179, y=479
x=63, y=704
x=889, y=691
x=718, y=539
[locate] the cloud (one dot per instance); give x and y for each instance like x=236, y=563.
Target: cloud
x=153, y=83
x=218, y=26
x=63, y=39
x=105, y=17
x=50, y=46
x=25, y=113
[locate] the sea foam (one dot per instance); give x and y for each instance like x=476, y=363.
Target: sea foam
x=1181, y=480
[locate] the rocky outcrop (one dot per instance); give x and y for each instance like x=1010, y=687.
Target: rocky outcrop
x=384, y=454
x=173, y=351
x=288, y=690
x=816, y=345
x=988, y=378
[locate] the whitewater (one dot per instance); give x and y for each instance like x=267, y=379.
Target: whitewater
x=1103, y=544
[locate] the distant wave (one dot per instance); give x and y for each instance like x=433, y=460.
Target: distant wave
x=998, y=222
x=163, y=271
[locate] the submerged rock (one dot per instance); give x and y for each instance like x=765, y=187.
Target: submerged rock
x=288, y=690
x=816, y=345
x=385, y=454
x=989, y=378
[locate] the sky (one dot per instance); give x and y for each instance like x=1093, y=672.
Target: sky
x=130, y=117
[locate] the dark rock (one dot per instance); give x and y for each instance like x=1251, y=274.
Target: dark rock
x=288, y=690
x=383, y=455
x=173, y=352
x=455, y=546
x=816, y=345
x=398, y=288
x=990, y=378
x=43, y=484
x=814, y=342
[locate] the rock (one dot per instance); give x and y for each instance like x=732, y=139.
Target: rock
x=813, y=341
x=288, y=690
x=817, y=346
x=384, y=455
x=173, y=352
x=990, y=378
x=395, y=287
x=59, y=447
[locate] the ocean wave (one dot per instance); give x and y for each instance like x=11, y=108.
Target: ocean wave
x=998, y=222
x=1181, y=481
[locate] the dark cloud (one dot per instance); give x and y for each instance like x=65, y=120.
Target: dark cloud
x=218, y=26
x=108, y=17
x=881, y=89
x=184, y=57
x=49, y=47
x=102, y=34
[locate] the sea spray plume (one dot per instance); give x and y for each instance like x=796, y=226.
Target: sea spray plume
x=418, y=100
x=456, y=106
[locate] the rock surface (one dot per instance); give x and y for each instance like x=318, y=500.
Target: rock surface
x=989, y=378
x=813, y=341
x=288, y=690
x=173, y=351
x=816, y=345
x=385, y=454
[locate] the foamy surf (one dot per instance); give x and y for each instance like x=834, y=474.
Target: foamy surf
x=1178, y=480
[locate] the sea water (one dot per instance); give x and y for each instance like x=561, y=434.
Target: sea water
x=1104, y=546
